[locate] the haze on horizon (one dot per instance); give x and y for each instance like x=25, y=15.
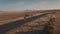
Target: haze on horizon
x=17, y=5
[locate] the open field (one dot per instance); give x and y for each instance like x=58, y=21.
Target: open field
x=12, y=17
x=31, y=26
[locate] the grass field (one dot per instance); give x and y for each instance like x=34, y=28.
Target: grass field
x=6, y=17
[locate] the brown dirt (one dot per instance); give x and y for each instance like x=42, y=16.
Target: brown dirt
x=57, y=23
x=7, y=16
x=12, y=16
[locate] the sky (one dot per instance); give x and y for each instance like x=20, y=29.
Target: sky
x=17, y=5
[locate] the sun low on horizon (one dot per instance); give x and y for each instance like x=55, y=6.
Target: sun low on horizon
x=17, y=5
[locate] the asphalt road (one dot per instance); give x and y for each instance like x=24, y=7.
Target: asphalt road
x=32, y=32
x=6, y=27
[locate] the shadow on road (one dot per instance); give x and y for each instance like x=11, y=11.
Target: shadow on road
x=32, y=32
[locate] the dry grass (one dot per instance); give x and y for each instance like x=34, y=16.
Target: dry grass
x=6, y=17
x=31, y=25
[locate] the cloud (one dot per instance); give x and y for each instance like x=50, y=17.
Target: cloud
x=34, y=5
